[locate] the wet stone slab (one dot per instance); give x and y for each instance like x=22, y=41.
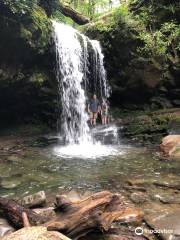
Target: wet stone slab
x=166, y=224
x=169, y=199
x=138, y=197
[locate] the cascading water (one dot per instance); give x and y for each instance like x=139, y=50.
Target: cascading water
x=80, y=73
x=99, y=70
x=69, y=69
x=72, y=69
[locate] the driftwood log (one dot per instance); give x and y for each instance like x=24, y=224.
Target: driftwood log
x=95, y=212
x=15, y=213
x=73, y=14
x=74, y=219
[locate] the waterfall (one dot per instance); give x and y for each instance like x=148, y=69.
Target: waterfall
x=80, y=73
x=100, y=73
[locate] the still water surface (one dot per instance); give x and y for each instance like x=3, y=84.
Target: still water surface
x=55, y=169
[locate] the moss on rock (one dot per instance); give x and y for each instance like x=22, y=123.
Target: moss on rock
x=26, y=63
x=150, y=125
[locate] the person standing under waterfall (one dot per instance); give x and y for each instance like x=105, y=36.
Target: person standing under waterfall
x=104, y=112
x=94, y=109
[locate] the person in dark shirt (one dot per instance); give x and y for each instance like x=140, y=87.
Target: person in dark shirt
x=93, y=109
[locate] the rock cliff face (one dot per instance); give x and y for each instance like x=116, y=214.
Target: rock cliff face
x=27, y=82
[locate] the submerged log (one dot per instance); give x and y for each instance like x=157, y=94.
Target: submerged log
x=95, y=212
x=73, y=14
x=18, y=214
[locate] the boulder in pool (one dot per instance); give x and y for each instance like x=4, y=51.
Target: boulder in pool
x=170, y=146
x=35, y=200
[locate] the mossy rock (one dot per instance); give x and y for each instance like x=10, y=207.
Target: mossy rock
x=148, y=125
x=28, y=22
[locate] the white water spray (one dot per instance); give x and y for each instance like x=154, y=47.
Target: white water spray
x=99, y=70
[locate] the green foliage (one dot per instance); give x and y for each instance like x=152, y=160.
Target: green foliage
x=40, y=27
x=22, y=7
x=163, y=42
x=112, y=21
x=91, y=8
x=19, y=7
x=38, y=78
x=161, y=30
x=121, y=12
x=141, y=42
x=30, y=21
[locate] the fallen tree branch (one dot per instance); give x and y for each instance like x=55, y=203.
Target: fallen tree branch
x=73, y=14
x=75, y=219
x=95, y=212
x=18, y=215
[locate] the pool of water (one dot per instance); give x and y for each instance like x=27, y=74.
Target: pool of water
x=52, y=169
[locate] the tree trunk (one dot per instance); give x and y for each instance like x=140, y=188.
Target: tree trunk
x=74, y=15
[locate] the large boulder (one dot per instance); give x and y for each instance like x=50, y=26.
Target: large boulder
x=35, y=233
x=171, y=146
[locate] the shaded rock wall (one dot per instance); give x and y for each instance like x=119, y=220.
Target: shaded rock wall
x=27, y=81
